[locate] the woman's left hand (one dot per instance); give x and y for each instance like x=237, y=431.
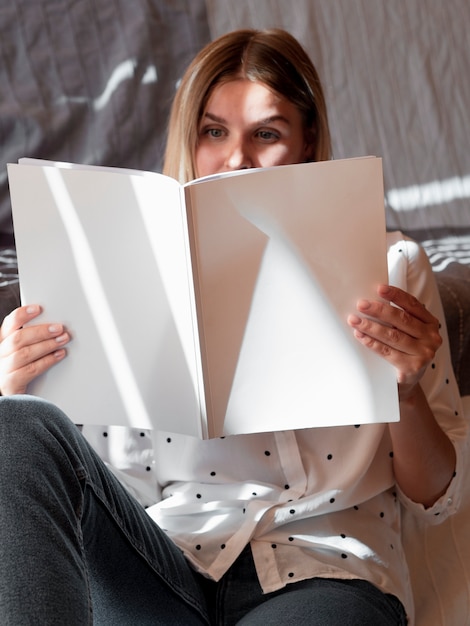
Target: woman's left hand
x=401, y=330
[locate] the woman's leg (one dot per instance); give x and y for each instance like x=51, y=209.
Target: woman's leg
x=326, y=602
x=75, y=547
x=315, y=602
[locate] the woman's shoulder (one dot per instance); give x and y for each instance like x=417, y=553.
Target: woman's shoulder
x=399, y=244
x=409, y=266
x=397, y=238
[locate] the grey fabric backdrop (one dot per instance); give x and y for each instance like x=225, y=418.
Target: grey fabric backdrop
x=92, y=80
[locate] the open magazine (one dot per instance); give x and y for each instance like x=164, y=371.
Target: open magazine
x=212, y=308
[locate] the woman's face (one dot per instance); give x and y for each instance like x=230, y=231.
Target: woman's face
x=246, y=125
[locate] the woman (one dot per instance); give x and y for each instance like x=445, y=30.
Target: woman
x=291, y=527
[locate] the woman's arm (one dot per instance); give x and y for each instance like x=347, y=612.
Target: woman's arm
x=402, y=331
x=28, y=351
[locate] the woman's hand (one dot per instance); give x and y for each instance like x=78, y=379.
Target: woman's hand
x=400, y=330
x=28, y=351
x=404, y=333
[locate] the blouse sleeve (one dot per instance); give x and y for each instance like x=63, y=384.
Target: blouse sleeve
x=129, y=455
x=409, y=268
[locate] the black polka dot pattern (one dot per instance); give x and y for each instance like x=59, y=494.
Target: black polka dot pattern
x=296, y=479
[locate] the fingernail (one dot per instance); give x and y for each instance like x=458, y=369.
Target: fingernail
x=354, y=320
x=55, y=328
x=363, y=305
x=384, y=289
x=62, y=338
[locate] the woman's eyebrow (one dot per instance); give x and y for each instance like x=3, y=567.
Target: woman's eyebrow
x=271, y=119
x=262, y=122
x=214, y=118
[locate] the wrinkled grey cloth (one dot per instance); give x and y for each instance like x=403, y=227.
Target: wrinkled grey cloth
x=91, y=81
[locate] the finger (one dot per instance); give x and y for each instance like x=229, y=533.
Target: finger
x=392, y=342
x=28, y=345
x=28, y=352
x=29, y=338
x=18, y=318
x=415, y=321
x=17, y=381
x=379, y=338
x=409, y=356
x=406, y=301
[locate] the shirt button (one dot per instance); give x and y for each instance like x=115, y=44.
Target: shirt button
x=449, y=501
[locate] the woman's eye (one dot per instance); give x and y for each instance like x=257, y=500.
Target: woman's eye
x=267, y=135
x=215, y=133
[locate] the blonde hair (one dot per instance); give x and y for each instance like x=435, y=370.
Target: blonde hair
x=272, y=57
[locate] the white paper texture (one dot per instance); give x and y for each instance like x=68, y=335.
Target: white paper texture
x=280, y=257
x=104, y=253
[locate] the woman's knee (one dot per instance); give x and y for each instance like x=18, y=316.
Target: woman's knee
x=26, y=422
x=23, y=408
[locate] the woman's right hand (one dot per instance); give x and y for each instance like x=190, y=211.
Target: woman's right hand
x=28, y=351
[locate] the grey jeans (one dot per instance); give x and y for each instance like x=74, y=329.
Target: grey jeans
x=76, y=548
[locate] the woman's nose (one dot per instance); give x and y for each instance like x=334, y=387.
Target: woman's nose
x=239, y=157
